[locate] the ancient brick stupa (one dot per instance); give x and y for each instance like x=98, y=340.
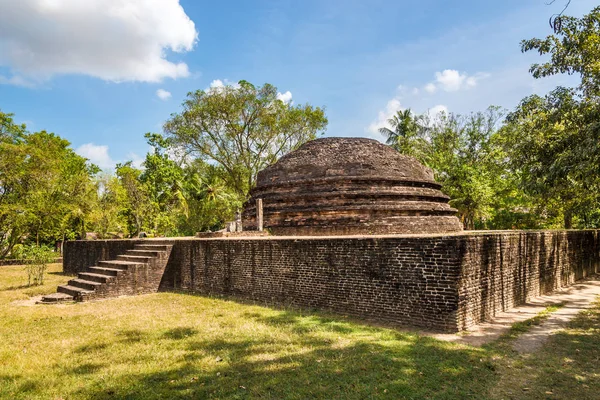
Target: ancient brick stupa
x=345, y=186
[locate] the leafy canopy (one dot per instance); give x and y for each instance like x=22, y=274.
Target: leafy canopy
x=243, y=129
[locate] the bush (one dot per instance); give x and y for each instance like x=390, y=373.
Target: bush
x=17, y=251
x=38, y=258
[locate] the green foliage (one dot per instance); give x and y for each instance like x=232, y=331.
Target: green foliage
x=406, y=133
x=45, y=187
x=553, y=141
x=38, y=258
x=18, y=252
x=210, y=201
x=462, y=154
x=243, y=129
x=138, y=207
x=108, y=217
x=575, y=49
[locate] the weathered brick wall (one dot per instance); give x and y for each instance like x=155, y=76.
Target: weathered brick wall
x=400, y=280
x=135, y=279
x=81, y=254
x=441, y=282
x=8, y=262
x=505, y=269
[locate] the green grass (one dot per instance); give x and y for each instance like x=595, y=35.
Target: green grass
x=171, y=345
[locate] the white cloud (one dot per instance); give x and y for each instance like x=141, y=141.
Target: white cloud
x=391, y=108
x=136, y=161
x=163, y=94
x=450, y=80
x=16, y=81
x=404, y=99
x=285, y=97
x=97, y=154
x=114, y=40
x=430, y=88
x=217, y=83
x=436, y=110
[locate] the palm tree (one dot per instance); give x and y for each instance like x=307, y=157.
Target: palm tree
x=405, y=135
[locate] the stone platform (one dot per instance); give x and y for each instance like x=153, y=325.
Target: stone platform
x=441, y=282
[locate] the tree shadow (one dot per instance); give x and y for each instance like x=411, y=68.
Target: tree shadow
x=16, y=287
x=60, y=273
x=88, y=348
x=86, y=369
x=305, y=363
x=179, y=333
x=131, y=336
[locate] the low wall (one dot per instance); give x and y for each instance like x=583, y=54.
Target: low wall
x=78, y=255
x=505, y=269
x=7, y=262
x=440, y=282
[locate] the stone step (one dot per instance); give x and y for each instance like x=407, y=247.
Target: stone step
x=155, y=247
x=56, y=298
x=84, y=284
x=74, y=291
x=92, y=276
x=105, y=271
x=147, y=253
x=119, y=264
x=140, y=259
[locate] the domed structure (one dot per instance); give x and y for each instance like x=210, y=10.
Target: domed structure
x=341, y=186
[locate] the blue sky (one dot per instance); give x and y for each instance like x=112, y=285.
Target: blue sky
x=90, y=71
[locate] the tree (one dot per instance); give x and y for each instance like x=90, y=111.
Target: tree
x=555, y=140
x=45, y=187
x=164, y=179
x=12, y=183
x=575, y=48
x=139, y=209
x=552, y=143
x=460, y=151
x=405, y=132
x=59, y=187
x=108, y=217
x=210, y=201
x=243, y=129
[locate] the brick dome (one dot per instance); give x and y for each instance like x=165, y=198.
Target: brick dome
x=336, y=186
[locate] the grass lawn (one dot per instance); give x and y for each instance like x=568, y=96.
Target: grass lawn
x=171, y=345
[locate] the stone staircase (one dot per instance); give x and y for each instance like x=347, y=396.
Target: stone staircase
x=138, y=271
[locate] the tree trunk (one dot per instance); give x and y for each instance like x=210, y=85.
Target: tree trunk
x=568, y=219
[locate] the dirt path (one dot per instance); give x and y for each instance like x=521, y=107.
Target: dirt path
x=575, y=298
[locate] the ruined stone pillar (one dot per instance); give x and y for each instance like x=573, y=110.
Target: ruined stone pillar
x=259, y=214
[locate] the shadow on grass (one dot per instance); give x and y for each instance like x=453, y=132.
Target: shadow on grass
x=304, y=324
x=60, y=273
x=16, y=287
x=86, y=369
x=179, y=333
x=88, y=348
x=131, y=336
x=303, y=363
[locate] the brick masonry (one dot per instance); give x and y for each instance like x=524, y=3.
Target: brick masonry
x=439, y=282
x=8, y=262
x=78, y=255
